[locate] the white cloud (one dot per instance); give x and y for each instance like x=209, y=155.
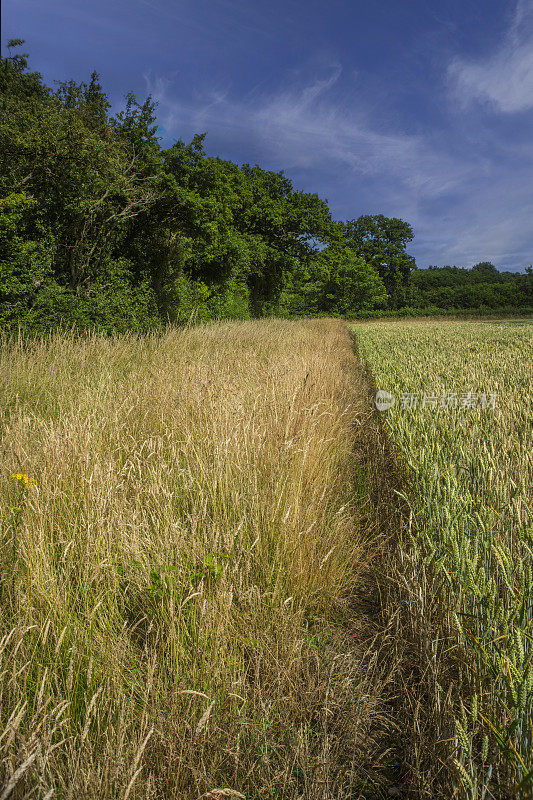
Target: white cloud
x=464, y=208
x=505, y=78
x=304, y=127
x=482, y=226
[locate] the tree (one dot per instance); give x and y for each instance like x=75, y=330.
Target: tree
x=529, y=283
x=290, y=225
x=347, y=284
x=26, y=251
x=86, y=181
x=101, y=226
x=381, y=242
x=485, y=271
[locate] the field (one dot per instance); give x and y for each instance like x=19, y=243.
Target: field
x=461, y=425
x=182, y=536
x=224, y=574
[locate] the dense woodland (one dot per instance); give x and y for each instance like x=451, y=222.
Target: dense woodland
x=101, y=226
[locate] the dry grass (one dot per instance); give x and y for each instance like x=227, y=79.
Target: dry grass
x=467, y=568
x=176, y=577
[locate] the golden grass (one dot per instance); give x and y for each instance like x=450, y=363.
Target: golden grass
x=467, y=569
x=175, y=579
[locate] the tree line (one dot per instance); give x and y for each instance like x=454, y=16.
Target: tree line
x=102, y=226
x=478, y=288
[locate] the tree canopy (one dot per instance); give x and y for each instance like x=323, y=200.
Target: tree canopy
x=102, y=226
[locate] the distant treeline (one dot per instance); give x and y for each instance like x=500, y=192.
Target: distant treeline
x=101, y=226
x=482, y=287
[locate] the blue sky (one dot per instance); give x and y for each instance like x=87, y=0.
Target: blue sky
x=421, y=109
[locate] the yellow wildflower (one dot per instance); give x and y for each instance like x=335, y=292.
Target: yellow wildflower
x=20, y=476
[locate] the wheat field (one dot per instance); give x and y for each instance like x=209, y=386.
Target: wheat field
x=179, y=545
x=462, y=430
x=225, y=574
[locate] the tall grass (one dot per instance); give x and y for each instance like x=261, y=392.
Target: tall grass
x=467, y=566
x=175, y=571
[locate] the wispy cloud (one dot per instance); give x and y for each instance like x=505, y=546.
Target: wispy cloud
x=304, y=127
x=504, y=79
x=351, y=105
x=465, y=206
x=489, y=222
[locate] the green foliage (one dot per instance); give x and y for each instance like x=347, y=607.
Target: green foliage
x=381, y=242
x=25, y=257
x=350, y=284
x=101, y=227
x=480, y=287
x=337, y=282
